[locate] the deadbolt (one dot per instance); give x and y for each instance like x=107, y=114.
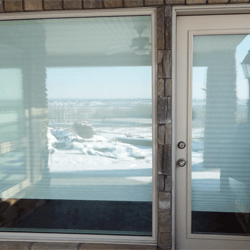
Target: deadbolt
x=181, y=162
x=181, y=145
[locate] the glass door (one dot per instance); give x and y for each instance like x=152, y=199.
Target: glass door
x=213, y=120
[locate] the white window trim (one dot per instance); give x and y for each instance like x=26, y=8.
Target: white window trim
x=183, y=10
x=88, y=238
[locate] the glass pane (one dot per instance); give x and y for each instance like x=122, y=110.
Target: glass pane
x=221, y=135
x=11, y=104
x=88, y=124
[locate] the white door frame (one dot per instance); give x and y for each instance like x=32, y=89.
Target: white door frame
x=190, y=11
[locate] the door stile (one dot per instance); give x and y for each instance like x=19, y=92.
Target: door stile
x=189, y=130
x=181, y=124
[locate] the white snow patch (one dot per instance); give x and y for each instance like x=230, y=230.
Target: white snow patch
x=145, y=179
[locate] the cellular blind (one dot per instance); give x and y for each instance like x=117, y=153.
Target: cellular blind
x=76, y=129
x=220, y=125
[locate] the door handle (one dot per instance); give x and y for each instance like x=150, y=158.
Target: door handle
x=181, y=162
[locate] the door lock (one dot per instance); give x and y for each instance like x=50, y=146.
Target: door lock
x=181, y=144
x=181, y=162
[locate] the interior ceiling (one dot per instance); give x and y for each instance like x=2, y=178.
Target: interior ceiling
x=206, y=47
x=211, y=43
x=102, y=41
x=94, y=36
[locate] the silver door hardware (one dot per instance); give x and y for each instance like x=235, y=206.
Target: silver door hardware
x=181, y=144
x=181, y=162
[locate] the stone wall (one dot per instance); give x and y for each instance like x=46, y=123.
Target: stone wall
x=164, y=91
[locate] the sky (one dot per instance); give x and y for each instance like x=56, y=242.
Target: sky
x=84, y=83
x=242, y=86
x=99, y=82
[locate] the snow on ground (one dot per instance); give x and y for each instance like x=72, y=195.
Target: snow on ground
x=131, y=132
x=73, y=148
x=101, y=167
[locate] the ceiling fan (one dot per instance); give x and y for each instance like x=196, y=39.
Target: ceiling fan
x=140, y=45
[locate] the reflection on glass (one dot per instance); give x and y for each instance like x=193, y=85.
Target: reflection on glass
x=105, y=137
x=82, y=110
x=220, y=136
x=13, y=170
x=11, y=104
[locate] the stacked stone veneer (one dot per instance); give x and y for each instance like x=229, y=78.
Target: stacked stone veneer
x=164, y=106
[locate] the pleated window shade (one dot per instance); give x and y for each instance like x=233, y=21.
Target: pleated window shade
x=220, y=125
x=76, y=124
